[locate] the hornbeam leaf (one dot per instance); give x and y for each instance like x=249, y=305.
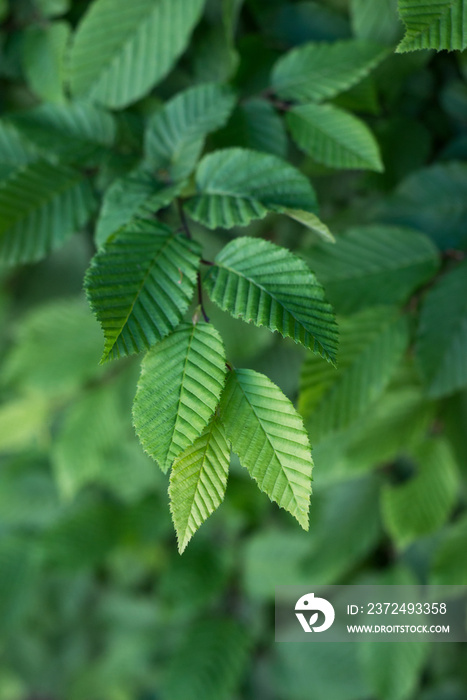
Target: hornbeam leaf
x=267, y=434
x=41, y=205
x=334, y=137
x=320, y=70
x=179, y=388
x=372, y=265
x=122, y=49
x=370, y=348
x=267, y=285
x=422, y=504
x=140, y=285
x=311, y=221
x=441, y=346
x=198, y=481
x=433, y=24
x=236, y=185
x=133, y=196
x=175, y=134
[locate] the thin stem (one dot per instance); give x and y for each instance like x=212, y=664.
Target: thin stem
x=183, y=219
x=206, y=262
x=200, y=299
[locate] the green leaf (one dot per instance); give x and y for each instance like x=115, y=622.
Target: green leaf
x=317, y=71
x=113, y=59
x=393, y=670
x=209, y=661
x=133, y=196
x=18, y=567
x=450, y=563
x=44, y=51
x=376, y=21
x=198, y=481
x=179, y=388
x=176, y=133
x=267, y=434
x=56, y=349
x=433, y=24
x=236, y=185
x=269, y=286
x=372, y=265
x=77, y=132
x=433, y=200
x=255, y=124
x=52, y=8
x=15, y=150
x=422, y=504
x=41, y=205
x=23, y=421
x=441, y=345
x=334, y=137
x=370, y=348
x=140, y=285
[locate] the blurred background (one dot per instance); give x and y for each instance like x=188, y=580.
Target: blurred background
x=95, y=601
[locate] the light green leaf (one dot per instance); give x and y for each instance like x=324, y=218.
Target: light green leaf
x=133, y=196
x=372, y=265
x=52, y=8
x=23, y=421
x=317, y=71
x=236, y=185
x=179, y=388
x=267, y=285
x=209, y=662
x=334, y=137
x=175, y=134
x=376, y=20
x=450, y=563
x=267, y=434
x=433, y=24
x=422, y=504
x=55, y=350
x=441, y=345
x=140, y=285
x=77, y=132
x=44, y=49
x=371, y=345
x=121, y=50
x=198, y=481
x=50, y=203
x=312, y=222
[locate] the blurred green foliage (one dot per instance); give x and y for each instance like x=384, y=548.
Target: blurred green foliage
x=95, y=601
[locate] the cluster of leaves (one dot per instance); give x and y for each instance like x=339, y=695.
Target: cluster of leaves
x=159, y=130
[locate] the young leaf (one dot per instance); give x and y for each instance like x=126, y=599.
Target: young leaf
x=373, y=265
x=370, y=348
x=198, y=481
x=422, y=504
x=140, y=285
x=50, y=203
x=316, y=71
x=269, y=286
x=267, y=434
x=441, y=346
x=175, y=134
x=179, y=388
x=236, y=185
x=133, y=196
x=334, y=137
x=433, y=24
x=113, y=60
x=311, y=221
